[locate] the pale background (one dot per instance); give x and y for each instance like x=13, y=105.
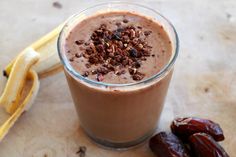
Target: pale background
x=204, y=82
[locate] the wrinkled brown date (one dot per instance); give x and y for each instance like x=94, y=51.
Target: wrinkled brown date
x=185, y=127
x=204, y=145
x=167, y=145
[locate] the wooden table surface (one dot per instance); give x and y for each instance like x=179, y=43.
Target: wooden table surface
x=204, y=81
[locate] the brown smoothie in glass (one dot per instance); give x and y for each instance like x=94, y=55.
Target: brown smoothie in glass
x=113, y=31
x=118, y=48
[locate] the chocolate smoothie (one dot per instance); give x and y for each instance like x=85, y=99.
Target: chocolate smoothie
x=118, y=48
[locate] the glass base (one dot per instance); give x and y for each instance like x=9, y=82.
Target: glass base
x=119, y=146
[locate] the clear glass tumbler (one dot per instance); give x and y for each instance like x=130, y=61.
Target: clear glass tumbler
x=119, y=115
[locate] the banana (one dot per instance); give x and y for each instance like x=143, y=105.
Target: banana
x=12, y=93
x=51, y=71
x=38, y=60
x=5, y=127
x=32, y=94
x=49, y=62
x=23, y=74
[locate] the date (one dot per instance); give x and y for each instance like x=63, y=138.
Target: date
x=167, y=145
x=185, y=127
x=204, y=145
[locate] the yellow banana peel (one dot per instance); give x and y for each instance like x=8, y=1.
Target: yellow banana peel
x=40, y=59
x=5, y=127
x=16, y=81
x=49, y=61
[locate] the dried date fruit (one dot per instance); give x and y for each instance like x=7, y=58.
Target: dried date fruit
x=204, y=145
x=167, y=145
x=185, y=127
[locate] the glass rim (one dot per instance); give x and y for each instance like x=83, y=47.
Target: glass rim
x=156, y=76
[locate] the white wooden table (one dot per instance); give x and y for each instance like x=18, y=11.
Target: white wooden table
x=204, y=82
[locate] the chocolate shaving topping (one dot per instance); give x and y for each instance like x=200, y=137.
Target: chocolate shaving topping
x=132, y=71
x=100, y=77
x=79, y=42
x=147, y=33
x=139, y=27
x=125, y=21
x=57, y=5
x=116, y=51
x=82, y=151
x=138, y=76
x=71, y=59
x=78, y=55
x=86, y=74
x=118, y=24
x=88, y=65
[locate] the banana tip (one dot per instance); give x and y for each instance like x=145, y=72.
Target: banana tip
x=4, y=73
